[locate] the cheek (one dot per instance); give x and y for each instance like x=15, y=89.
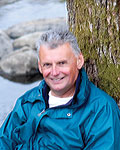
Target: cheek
x=74, y=73
x=65, y=72
x=45, y=73
x=69, y=70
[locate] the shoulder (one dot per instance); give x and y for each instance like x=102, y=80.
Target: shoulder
x=100, y=100
x=32, y=94
x=103, y=118
x=25, y=103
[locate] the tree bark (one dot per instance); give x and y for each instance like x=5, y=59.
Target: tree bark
x=118, y=6
x=95, y=24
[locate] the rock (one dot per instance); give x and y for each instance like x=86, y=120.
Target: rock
x=33, y=26
x=27, y=40
x=4, y=2
x=5, y=44
x=20, y=66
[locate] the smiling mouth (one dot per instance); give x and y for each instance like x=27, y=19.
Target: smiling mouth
x=57, y=79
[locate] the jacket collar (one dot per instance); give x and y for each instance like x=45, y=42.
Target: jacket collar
x=81, y=91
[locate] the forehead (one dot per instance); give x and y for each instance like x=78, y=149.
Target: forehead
x=62, y=51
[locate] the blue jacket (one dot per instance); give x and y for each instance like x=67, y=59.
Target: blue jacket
x=90, y=121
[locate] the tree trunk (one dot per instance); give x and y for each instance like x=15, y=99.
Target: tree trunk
x=118, y=6
x=95, y=23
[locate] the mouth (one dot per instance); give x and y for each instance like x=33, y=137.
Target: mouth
x=57, y=79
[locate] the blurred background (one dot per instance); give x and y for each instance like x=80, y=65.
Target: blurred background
x=15, y=13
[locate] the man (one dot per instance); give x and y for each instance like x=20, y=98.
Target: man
x=66, y=111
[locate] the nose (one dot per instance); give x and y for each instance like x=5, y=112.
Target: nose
x=55, y=70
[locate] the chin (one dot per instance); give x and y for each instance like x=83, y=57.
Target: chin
x=57, y=89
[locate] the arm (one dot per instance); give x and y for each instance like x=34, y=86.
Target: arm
x=8, y=138
x=104, y=128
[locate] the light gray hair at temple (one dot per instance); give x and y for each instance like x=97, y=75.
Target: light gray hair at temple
x=56, y=37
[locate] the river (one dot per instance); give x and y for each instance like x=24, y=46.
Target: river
x=14, y=13
x=27, y=10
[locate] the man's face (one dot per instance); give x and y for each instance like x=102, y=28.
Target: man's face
x=60, y=68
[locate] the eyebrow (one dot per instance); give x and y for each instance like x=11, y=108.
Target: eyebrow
x=62, y=61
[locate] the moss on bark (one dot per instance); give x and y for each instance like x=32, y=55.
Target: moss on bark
x=96, y=26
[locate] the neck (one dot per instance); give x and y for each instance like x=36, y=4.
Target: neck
x=63, y=94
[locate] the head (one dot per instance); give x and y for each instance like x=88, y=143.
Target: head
x=56, y=37
x=60, y=60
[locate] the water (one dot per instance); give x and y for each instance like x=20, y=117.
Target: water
x=14, y=13
x=9, y=93
x=27, y=10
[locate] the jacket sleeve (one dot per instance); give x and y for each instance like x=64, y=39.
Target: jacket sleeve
x=8, y=138
x=103, y=132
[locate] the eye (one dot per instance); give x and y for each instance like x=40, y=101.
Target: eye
x=46, y=65
x=62, y=63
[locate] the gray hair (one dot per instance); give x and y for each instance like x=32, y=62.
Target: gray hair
x=58, y=36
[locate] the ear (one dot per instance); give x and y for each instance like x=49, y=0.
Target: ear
x=39, y=66
x=80, y=61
